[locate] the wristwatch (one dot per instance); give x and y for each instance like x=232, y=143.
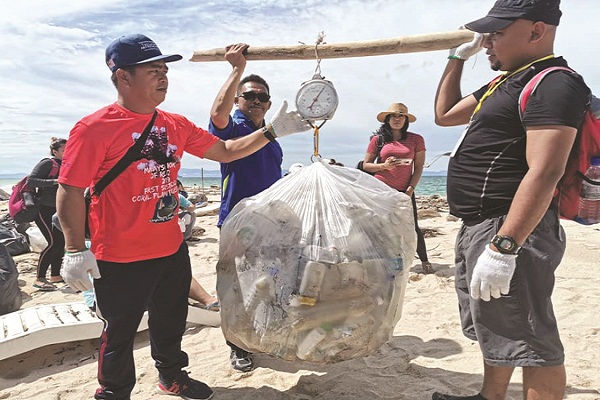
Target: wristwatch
x=506, y=244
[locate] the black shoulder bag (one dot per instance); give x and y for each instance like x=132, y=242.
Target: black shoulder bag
x=132, y=154
x=380, y=144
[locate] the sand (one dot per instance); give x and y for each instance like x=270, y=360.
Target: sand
x=427, y=352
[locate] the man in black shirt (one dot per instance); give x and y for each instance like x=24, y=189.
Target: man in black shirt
x=501, y=181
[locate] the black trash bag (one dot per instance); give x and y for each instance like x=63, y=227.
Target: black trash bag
x=15, y=242
x=10, y=294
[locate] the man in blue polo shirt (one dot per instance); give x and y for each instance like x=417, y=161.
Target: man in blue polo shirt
x=252, y=174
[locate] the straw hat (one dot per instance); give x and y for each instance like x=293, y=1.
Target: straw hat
x=396, y=108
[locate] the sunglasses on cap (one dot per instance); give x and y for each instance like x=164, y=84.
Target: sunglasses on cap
x=251, y=96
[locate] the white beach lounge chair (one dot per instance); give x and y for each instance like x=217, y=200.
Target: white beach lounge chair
x=35, y=327
x=208, y=209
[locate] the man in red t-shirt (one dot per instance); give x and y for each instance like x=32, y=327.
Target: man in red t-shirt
x=138, y=258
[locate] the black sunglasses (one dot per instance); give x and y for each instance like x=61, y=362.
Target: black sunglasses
x=251, y=96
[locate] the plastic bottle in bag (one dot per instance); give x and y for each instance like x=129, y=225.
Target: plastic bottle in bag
x=320, y=254
x=352, y=273
x=310, y=342
x=356, y=331
x=282, y=222
x=310, y=286
x=247, y=236
x=279, y=343
x=309, y=318
x=260, y=291
x=396, y=264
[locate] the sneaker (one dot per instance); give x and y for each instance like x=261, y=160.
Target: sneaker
x=241, y=361
x=185, y=387
x=105, y=394
x=441, y=396
x=102, y=394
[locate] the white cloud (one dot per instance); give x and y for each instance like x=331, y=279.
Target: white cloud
x=54, y=73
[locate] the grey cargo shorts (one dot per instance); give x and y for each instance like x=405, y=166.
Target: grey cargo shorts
x=518, y=329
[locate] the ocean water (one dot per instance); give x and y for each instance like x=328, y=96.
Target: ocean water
x=429, y=185
x=200, y=182
x=7, y=184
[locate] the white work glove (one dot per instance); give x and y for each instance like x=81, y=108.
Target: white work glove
x=286, y=122
x=466, y=50
x=492, y=274
x=76, y=268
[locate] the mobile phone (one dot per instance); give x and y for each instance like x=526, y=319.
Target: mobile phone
x=403, y=161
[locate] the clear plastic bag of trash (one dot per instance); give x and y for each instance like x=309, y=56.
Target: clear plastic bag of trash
x=315, y=267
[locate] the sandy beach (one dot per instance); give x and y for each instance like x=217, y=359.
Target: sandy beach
x=427, y=352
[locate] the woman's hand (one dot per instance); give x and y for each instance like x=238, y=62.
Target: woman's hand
x=409, y=190
x=389, y=163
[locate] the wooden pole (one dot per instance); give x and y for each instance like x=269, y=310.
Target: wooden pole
x=202, y=175
x=406, y=44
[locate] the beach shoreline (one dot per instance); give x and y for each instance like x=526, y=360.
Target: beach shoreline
x=426, y=353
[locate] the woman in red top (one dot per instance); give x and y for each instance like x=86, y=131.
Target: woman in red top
x=400, y=161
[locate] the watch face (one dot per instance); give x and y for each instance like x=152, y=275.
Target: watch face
x=505, y=244
x=316, y=100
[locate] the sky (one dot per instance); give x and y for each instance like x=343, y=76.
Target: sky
x=53, y=71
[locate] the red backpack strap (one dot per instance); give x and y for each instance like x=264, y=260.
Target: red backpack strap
x=54, y=171
x=533, y=84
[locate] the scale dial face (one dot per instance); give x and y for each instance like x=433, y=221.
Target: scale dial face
x=316, y=100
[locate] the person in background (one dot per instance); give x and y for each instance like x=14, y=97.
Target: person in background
x=250, y=175
x=44, y=178
x=187, y=216
x=332, y=161
x=295, y=167
x=197, y=293
x=206, y=300
x=403, y=155
x=502, y=177
x=138, y=258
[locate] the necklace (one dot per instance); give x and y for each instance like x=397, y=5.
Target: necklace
x=503, y=78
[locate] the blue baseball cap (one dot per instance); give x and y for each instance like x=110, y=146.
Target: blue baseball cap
x=135, y=49
x=505, y=12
